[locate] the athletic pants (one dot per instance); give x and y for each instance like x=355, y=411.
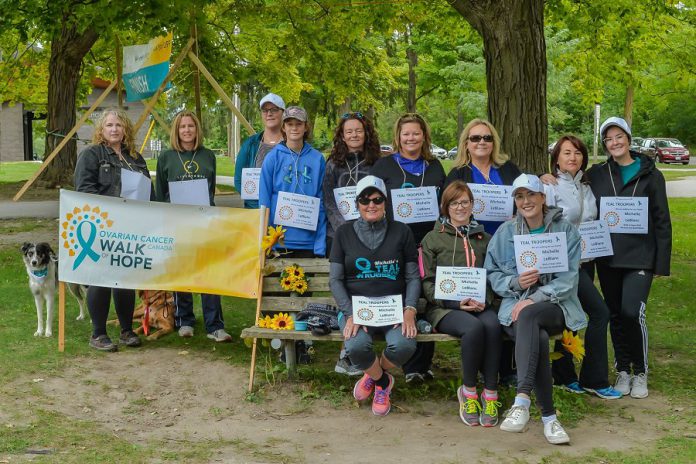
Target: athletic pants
x=98, y=302
x=360, y=349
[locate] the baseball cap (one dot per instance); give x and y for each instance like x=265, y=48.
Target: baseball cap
x=370, y=182
x=614, y=121
x=273, y=98
x=295, y=112
x=528, y=181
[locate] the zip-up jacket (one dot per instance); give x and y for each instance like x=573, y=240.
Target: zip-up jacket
x=448, y=246
x=559, y=288
x=284, y=170
x=337, y=176
x=653, y=250
x=98, y=170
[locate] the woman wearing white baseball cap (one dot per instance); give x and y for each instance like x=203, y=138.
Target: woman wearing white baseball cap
x=639, y=254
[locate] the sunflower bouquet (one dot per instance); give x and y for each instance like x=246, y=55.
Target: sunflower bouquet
x=293, y=279
x=573, y=344
x=279, y=321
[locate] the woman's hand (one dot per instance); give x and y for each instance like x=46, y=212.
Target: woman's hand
x=408, y=328
x=469, y=304
x=519, y=306
x=548, y=179
x=528, y=278
x=350, y=330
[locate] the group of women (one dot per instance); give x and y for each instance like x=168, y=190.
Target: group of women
x=375, y=252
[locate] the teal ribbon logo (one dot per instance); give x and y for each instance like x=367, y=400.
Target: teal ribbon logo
x=86, y=245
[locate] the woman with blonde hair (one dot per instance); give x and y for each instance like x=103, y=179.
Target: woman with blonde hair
x=190, y=165
x=101, y=169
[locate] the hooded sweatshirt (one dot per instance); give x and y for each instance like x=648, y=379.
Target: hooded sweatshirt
x=559, y=288
x=448, y=246
x=284, y=170
x=653, y=250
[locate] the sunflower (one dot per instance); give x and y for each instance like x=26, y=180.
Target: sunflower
x=286, y=283
x=294, y=272
x=300, y=286
x=274, y=236
x=573, y=344
x=265, y=323
x=282, y=321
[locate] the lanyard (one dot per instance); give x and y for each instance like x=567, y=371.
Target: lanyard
x=425, y=165
x=354, y=169
x=611, y=178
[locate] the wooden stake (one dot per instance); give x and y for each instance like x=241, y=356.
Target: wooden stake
x=61, y=316
x=65, y=140
x=151, y=103
x=196, y=71
x=264, y=224
x=160, y=121
x=221, y=92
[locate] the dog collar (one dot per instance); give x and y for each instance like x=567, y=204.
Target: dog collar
x=40, y=273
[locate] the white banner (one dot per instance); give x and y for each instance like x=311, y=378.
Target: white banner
x=595, y=239
x=378, y=311
x=296, y=210
x=547, y=253
x=492, y=202
x=345, y=201
x=625, y=215
x=250, y=183
x=458, y=283
x=412, y=205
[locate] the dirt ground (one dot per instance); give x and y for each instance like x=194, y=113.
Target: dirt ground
x=179, y=397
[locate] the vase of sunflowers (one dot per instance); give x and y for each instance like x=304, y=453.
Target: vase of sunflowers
x=294, y=280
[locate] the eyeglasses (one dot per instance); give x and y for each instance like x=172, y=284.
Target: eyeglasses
x=618, y=138
x=270, y=110
x=357, y=115
x=366, y=201
x=456, y=204
x=478, y=138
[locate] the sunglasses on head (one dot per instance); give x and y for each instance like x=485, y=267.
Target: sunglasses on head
x=357, y=115
x=366, y=201
x=478, y=138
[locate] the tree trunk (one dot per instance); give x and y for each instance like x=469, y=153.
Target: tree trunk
x=628, y=105
x=68, y=48
x=515, y=53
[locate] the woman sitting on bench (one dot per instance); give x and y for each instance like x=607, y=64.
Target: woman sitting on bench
x=374, y=257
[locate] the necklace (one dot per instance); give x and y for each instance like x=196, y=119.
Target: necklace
x=408, y=184
x=487, y=178
x=191, y=167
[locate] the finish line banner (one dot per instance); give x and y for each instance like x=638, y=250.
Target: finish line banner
x=145, y=67
x=114, y=242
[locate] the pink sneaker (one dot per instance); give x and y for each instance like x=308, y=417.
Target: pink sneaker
x=380, y=403
x=363, y=388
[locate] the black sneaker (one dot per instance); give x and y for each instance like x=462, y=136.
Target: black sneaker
x=129, y=338
x=102, y=343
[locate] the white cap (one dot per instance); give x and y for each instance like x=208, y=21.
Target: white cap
x=529, y=182
x=614, y=121
x=370, y=182
x=273, y=98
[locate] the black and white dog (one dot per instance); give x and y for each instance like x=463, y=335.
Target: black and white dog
x=42, y=268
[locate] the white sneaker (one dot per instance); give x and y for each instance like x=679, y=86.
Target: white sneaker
x=555, y=434
x=186, y=331
x=623, y=383
x=516, y=419
x=639, y=386
x=220, y=336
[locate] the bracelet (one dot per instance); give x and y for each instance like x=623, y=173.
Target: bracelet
x=407, y=308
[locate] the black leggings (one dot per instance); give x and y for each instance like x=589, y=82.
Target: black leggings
x=480, y=344
x=595, y=366
x=626, y=293
x=535, y=324
x=98, y=302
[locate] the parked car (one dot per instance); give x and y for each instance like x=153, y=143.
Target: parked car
x=452, y=153
x=439, y=153
x=550, y=148
x=386, y=150
x=636, y=143
x=665, y=150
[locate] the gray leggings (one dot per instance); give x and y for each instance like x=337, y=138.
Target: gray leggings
x=531, y=332
x=360, y=349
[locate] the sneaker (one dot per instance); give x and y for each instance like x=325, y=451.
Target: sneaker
x=607, y=393
x=414, y=377
x=489, y=412
x=380, y=403
x=343, y=366
x=572, y=387
x=428, y=375
x=469, y=407
x=555, y=434
x=516, y=419
x=219, y=336
x=639, y=386
x=363, y=388
x=186, y=331
x=129, y=338
x=623, y=383
x=102, y=343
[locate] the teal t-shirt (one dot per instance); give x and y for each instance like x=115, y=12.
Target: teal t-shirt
x=629, y=171
x=538, y=230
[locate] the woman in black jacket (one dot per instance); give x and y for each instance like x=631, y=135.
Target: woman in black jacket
x=626, y=276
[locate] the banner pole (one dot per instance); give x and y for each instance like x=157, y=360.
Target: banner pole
x=61, y=316
x=262, y=259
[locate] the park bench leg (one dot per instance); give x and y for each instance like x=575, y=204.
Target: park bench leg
x=290, y=356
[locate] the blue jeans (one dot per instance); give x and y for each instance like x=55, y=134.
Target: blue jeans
x=212, y=311
x=360, y=349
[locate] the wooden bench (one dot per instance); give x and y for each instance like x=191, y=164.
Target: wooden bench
x=274, y=299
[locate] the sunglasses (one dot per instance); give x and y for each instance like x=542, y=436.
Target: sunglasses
x=478, y=138
x=366, y=201
x=357, y=115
